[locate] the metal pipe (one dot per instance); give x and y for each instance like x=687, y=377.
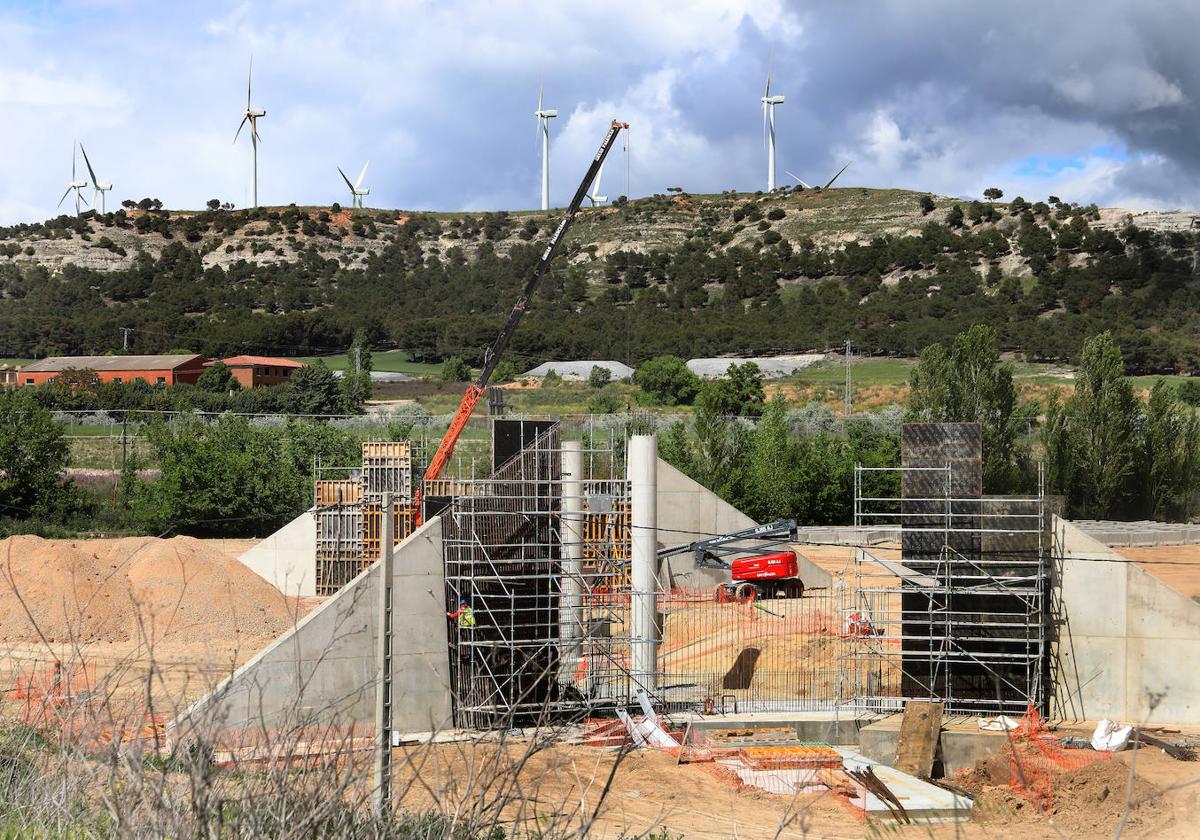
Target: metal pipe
x=643, y=495
x=570, y=629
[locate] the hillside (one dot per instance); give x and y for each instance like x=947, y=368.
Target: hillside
x=689, y=274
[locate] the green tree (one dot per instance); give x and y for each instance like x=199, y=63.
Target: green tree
x=225, y=477
x=773, y=467
x=665, y=380
x=927, y=205
x=217, y=379
x=314, y=389
x=1163, y=452
x=356, y=379
x=33, y=458
x=454, y=369
x=1104, y=411
x=967, y=383
x=599, y=376
x=1189, y=391
x=955, y=217
x=506, y=371
x=993, y=193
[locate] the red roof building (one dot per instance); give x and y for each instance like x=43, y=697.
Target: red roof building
x=251, y=371
x=157, y=370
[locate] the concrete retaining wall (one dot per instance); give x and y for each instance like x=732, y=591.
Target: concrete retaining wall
x=322, y=672
x=288, y=558
x=1127, y=646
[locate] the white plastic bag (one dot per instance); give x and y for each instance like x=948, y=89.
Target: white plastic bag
x=997, y=724
x=1110, y=737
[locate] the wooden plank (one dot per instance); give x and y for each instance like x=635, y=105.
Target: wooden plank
x=919, y=733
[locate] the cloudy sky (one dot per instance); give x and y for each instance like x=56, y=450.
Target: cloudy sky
x=1092, y=101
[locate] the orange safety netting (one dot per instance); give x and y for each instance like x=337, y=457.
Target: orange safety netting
x=1037, y=758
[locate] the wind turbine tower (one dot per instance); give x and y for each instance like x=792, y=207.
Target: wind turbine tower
x=357, y=191
x=769, y=102
x=75, y=185
x=98, y=189
x=251, y=116
x=544, y=115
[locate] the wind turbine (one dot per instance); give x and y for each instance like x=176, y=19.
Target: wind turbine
x=544, y=115
x=98, y=189
x=594, y=196
x=769, y=102
x=251, y=116
x=808, y=186
x=356, y=190
x=75, y=185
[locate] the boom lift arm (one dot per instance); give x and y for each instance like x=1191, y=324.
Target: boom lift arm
x=476, y=389
x=708, y=551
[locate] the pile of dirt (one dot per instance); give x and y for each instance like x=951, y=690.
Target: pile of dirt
x=133, y=589
x=1088, y=800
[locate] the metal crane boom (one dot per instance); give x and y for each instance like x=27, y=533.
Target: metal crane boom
x=476, y=389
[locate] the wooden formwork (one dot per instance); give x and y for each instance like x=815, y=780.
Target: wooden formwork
x=606, y=545
x=338, y=492
x=403, y=523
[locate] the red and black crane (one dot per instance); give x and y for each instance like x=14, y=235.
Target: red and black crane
x=476, y=389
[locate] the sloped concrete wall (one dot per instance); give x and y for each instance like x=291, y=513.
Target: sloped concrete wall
x=689, y=511
x=288, y=558
x=322, y=672
x=1127, y=645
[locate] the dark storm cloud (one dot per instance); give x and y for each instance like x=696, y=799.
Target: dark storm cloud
x=1095, y=101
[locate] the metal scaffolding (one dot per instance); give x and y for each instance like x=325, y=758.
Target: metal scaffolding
x=503, y=544
x=961, y=617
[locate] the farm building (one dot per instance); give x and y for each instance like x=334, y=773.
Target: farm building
x=157, y=370
x=251, y=371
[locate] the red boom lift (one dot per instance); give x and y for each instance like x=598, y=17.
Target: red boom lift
x=476, y=389
x=772, y=575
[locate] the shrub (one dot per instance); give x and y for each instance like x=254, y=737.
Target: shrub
x=665, y=380
x=599, y=376
x=454, y=369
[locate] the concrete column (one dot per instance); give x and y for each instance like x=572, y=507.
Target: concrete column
x=643, y=601
x=570, y=616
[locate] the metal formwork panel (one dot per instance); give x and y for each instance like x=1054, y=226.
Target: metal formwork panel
x=339, y=531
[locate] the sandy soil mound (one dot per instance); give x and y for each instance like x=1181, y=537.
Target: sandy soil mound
x=130, y=589
x=1088, y=801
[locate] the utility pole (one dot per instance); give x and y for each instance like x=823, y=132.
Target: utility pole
x=125, y=338
x=849, y=357
x=383, y=697
x=358, y=358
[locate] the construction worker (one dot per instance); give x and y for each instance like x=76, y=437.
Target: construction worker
x=464, y=614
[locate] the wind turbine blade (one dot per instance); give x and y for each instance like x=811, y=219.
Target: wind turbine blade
x=81, y=198
x=73, y=156
x=796, y=178
x=91, y=171
x=541, y=86
x=241, y=125
x=249, y=80
x=64, y=197
x=835, y=177
x=344, y=178
x=361, y=175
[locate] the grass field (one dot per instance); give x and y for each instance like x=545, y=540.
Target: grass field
x=389, y=361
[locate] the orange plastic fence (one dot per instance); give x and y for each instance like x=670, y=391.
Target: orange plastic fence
x=1038, y=759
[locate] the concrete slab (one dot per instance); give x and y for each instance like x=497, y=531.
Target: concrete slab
x=924, y=803
x=960, y=745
